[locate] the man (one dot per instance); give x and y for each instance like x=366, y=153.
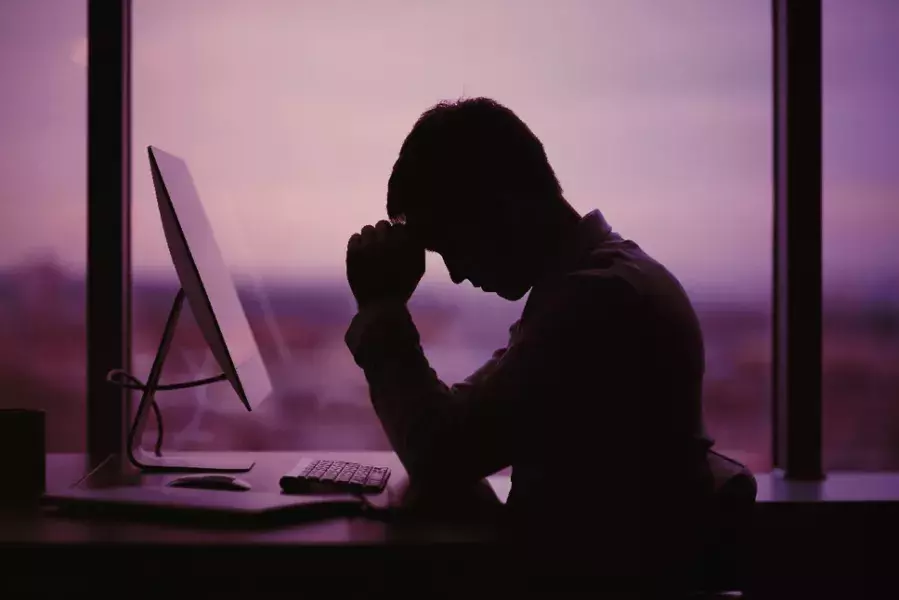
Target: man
x=596, y=400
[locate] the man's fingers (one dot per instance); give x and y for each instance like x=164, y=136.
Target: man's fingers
x=354, y=242
x=368, y=233
x=382, y=230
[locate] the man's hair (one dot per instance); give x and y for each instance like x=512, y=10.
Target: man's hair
x=468, y=153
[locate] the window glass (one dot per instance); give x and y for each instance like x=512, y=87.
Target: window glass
x=861, y=234
x=290, y=115
x=43, y=216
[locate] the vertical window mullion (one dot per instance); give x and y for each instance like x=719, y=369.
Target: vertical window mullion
x=108, y=222
x=796, y=339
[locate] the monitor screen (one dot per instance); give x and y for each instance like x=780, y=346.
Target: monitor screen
x=206, y=280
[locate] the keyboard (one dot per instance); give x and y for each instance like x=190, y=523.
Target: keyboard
x=326, y=476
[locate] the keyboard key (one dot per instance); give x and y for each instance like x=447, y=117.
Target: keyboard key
x=302, y=468
x=376, y=478
x=361, y=475
x=320, y=469
x=347, y=473
x=333, y=471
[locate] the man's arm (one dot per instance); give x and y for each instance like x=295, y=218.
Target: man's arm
x=417, y=410
x=469, y=431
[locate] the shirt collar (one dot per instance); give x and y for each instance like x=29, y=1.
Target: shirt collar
x=594, y=229
x=592, y=232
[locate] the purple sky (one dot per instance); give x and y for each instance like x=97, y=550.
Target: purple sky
x=290, y=114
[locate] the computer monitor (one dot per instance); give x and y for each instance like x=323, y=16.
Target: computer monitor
x=209, y=289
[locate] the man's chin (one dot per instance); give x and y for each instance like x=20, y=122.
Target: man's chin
x=510, y=295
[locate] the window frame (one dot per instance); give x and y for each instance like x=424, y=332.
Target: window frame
x=797, y=316
x=796, y=319
x=108, y=223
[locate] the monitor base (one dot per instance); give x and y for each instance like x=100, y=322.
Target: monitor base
x=157, y=462
x=184, y=463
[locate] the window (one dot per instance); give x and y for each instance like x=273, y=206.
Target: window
x=43, y=55
x=291, y=114
x=860, y=235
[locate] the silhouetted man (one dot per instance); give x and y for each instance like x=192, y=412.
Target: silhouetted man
x=596, y=400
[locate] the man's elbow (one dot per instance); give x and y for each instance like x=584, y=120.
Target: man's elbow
x=436, y=448
x=440, y=462
x=425, y=455
x=433, y=457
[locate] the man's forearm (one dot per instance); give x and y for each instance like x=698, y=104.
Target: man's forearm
x=414, y=406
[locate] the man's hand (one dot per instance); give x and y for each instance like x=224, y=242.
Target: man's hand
x=383, y=263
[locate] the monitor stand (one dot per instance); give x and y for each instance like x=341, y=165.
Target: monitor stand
x=180, y=463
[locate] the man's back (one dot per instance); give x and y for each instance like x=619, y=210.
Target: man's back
x=617, y=450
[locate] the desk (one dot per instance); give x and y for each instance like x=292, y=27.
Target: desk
x=87, y=553
x=63, y=470
x=800, y=536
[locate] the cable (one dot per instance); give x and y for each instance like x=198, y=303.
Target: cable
x=137, y=384
x=133, y=383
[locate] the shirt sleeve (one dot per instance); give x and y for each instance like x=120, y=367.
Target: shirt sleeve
x=422, y=416
x=467, y=431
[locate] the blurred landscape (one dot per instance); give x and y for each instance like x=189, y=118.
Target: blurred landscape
x=290, y=115
x=321, y=399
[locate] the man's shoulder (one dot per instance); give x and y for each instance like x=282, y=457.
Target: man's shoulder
x=606, y=285
x=612, y=273
x=619, y=278
x=581, y=295
x=627, y=270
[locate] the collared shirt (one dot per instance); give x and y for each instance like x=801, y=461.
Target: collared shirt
x=602, y=374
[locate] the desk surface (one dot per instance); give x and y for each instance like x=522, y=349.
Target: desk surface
x=838, y=491
x=801, y=531
x=64, y=470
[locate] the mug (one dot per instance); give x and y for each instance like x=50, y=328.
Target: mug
x=23, y=455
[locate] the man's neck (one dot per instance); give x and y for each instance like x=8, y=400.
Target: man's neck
x=561, y=234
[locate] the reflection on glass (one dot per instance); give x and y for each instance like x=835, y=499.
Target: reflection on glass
x=291, y=114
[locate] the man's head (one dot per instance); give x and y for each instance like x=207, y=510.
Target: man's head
x=473, y=183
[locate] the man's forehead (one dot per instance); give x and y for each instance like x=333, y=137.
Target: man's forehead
x=431, y=230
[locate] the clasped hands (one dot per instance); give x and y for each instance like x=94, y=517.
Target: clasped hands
x=383, y=264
